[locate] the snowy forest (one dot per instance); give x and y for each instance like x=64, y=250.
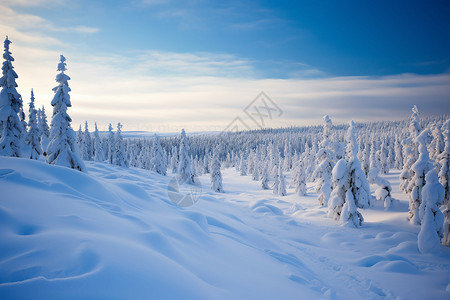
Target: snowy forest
x=343, y=169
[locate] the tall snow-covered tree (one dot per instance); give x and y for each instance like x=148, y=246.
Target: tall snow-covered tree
x=12, y=130
x=44, y=130
x=300, y=180
x=216, y=175
x=411, y=154
x=33, y=132
x=324, y=166
x=420, y=168
x=62, y=148
x=265, y=178
x=185, y=173
x=119, y=155
x=279, y=186
x=110, y=144
x=99, y=152
x=431, y=230
x=87, y=147
x=159, y=164
x=348, y=176
x=444, y=161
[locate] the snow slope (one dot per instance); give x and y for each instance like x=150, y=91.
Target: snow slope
x=114, y=234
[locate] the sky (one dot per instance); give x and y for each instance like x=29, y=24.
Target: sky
x=163, y=65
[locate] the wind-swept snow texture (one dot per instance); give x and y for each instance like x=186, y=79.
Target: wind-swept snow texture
x=112, y=233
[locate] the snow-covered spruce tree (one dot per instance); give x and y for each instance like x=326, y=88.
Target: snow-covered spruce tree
x=110, y=144
x=410, y=148
x=87, y=147
x=265, y=177
x=444, y=161
x=33, y=137
x=256, y=170
x=79, y=139
x=279, y=186
x=420, y=168
x=44, y=130
x=119, y=155
x=300, y=180
x=11, y=128
x=184, y=171
x=62, y=148
x=159, y=164
x=216, y=175
x=243, y=166
x=324, y=165
x=348, y=176
x=99, y=152
x=384, y=154
x=431, y=230
x=398, y=155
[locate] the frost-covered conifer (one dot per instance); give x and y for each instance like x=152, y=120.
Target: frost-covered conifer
x=110, y=144
x=410, y=148
x=444, y=161
x=33, y=133
x=62, y=148
x=87, y=146
x=384, y=155
x=99, y=152
x=348, y=176
x=12, y=131
x=44, y=130
x=174, y=160
x=398, y=155
x=300, y=180
x=79, y=139
x=324, y=165
x=265, y=178
x=279, y=186
x=216, y=175
x=184, y=165
x=243, y=166
x=256, y=170
x=119, y=155
x=420, y=168
x=158, y=161
x=383, y=192
x=431, y=231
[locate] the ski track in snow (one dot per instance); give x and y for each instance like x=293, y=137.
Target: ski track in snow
x=114, y=232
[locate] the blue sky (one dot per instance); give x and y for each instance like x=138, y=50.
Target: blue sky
x=395, y=53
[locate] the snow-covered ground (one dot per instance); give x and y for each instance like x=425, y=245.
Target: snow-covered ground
x=114, y=234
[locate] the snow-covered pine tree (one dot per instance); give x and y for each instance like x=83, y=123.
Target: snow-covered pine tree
x=110, y=144
x=216, y=175
x=12, y=131
x=431, y=230
x=384, y=154
x=243, y=166
x=119, y=155
x=265, y=177
x=185, y=174
x=158, y=161
x=62, y=149
x=324, y=165
x=383, y=192
x=420, y=168
x=87, y=146
x=99, y=152
x=279, y=186
x=300, y=181
x=79, y=139
x=444, y=161
x=398, y=155
x=33, y=132
x=411, y=154
x=348, y=176
x=44, y=130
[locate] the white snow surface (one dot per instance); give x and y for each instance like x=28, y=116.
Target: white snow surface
x=114, y=234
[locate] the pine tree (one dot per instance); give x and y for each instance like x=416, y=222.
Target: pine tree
x=265, y=178
x=279, y=186
x=99, y=152
x=11, y=128
x=119, y=157
x=431, y=230
x=33, y=133
x=44, y=130
x=216, y=175
x=158, y=161
x=300, y=180
x=410, y=148
x=87, y=147
x=184, y=171
x=62, y=148
x=420, y=168
x=110, y=144
x=324, y=166
x=444, y=161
